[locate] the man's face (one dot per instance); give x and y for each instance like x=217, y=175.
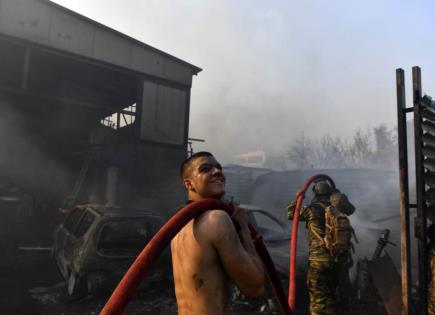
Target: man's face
x=205, y=179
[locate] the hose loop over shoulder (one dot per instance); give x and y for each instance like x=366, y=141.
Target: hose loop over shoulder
x=138, y=270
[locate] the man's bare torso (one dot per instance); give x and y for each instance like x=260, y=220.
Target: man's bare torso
x=201, y=285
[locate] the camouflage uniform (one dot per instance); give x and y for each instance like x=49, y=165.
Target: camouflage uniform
x=323, y=268
x=431, y=286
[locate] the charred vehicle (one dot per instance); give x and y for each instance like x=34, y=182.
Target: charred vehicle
x=95, y=245
x=276, y=236
x=275, y=233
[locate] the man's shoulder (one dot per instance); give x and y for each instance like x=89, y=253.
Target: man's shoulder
x=214, y=217
x=214, y=223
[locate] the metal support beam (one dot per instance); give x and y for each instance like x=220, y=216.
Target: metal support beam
x=139, y=108
x=421, y=199
x=404, y=192
x=63, y=100
x=196, y=140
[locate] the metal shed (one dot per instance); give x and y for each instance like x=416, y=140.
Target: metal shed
x=78, y=98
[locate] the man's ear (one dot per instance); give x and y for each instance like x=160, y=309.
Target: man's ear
x=187, y=183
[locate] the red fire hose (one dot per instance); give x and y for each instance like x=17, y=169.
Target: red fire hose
x=137, y=271
x=294, y=238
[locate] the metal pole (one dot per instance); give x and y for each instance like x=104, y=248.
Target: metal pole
x=420, y=227
x=404, y=191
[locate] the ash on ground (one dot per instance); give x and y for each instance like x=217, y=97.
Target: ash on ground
x=34, y=286
x=156, y=300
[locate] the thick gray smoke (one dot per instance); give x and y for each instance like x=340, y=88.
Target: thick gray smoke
x=275, y=69
x=375, y=194
x=26, y=157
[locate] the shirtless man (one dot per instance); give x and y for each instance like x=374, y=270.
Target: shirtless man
x=208, y=253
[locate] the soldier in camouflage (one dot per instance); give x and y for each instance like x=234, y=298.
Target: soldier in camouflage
x=323, y=268
x=431, y=270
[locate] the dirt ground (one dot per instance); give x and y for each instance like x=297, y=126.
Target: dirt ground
x=156, y=300
x=32, y=285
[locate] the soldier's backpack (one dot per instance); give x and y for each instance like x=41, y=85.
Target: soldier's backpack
x=340, y=202
x=338, y=230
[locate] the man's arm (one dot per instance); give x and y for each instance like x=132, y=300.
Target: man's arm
x=239, y=257
x=291, y=211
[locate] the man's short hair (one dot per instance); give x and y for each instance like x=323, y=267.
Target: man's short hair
x=184, y=169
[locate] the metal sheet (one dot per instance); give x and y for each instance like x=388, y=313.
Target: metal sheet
x=147, y=61
x=428, y=126
x=429, y=179
x=149, y=105
x=419, y=170
x=71, y=34
x=111, y=48
x=429, y=139
x=429, y=151
x=25, y=19
x=426, y=101
x=430, y=196
x=429, y=165
x=428, y=114
x=430, y=212
x=176, y=71
x=386, y=280
x=49, y=24
x=170, y=115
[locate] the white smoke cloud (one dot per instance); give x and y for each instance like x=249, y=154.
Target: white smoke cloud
x=274, y=69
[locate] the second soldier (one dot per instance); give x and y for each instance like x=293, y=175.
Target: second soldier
x=327, y=258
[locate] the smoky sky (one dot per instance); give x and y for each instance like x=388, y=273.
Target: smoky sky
x=274, y=69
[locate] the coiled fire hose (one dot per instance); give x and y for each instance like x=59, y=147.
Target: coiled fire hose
x=138, y=270
x=294, y=237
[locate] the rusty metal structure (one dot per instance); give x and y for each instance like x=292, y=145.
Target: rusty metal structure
x=84, y=107
x=424, y=132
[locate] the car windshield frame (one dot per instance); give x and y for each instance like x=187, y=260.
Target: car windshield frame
x=73, y=227
x=269, y=216
x=79, y=224
x=109, y=219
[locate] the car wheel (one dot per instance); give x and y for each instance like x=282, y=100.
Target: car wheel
x=76, y=286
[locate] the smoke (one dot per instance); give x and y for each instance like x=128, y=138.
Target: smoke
x=375, y=194
x=274, y=69
x=26, y=158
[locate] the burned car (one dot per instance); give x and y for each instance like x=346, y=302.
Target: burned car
x=95, y=245
x=276, y=236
